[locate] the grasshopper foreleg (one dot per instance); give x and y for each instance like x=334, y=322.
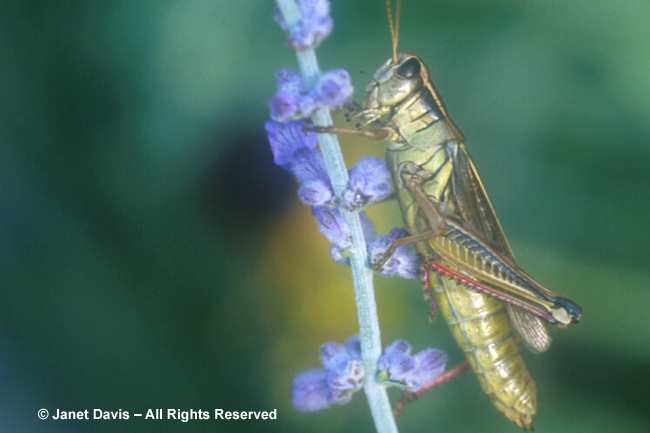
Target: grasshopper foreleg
x=375, y=134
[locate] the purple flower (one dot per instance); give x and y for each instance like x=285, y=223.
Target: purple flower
x=333, y=355
x=408, y=263
x=343, y=373
x=316, y=192
x=334, y=227
x=341, y=396
x=297, y=152
x=345, y=368
x=284, y=107
x=403, y=262
x=291, y=99
x=308, y=165
x=397, y=360
x=310, y=391
x=333, y=88
x=369, y=183
x=307, y=105
x=429, y=364
x=397, y=365
x=287, y=139
x=310, y=32
x=314, y=26
x=348, y=376
x=289, y=81
x=345, y=381
x=342, y=376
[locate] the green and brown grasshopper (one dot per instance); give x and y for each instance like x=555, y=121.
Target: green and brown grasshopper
x=468, y=264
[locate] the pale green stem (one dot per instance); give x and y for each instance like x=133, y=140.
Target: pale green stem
x=361, y=274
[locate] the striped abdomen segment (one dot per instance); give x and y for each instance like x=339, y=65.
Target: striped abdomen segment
x=481, y=327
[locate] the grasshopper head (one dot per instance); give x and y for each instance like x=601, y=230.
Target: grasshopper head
x=395, y=81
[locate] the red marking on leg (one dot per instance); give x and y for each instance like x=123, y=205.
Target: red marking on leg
x=448, y=375
x=442, y=270
x=424, y=277
x=434, y=310
x=426, y=283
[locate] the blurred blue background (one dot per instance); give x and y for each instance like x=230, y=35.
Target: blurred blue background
x=151, y=255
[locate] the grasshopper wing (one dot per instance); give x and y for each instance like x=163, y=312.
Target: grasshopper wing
x=475, y=211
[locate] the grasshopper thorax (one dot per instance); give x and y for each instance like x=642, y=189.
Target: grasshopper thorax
x=395, y=81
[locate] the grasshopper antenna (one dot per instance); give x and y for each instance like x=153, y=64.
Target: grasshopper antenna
x=394, y=29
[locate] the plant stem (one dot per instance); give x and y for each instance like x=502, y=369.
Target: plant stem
x=361, y=274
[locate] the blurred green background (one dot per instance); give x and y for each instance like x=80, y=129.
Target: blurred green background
x=151, y=255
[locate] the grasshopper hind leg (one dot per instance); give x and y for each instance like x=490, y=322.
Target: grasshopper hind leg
x=427, y=285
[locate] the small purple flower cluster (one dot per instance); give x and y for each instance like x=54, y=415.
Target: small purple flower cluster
x=402, y=262
x=334, y=227
x=369, y=182
x=343, y=373
x=297, y=151
x=318, y=389
x=294, y=101
x=314, y=26
x=398, y=366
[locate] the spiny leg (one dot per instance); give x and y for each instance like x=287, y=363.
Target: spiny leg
x=428, y=291
x=437, y=221
x=401, y=242
x=428, y=206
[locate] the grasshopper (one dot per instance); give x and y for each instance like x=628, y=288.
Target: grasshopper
x=468, y=264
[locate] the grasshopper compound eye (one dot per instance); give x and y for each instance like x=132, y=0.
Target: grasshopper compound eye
x=409, y=68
